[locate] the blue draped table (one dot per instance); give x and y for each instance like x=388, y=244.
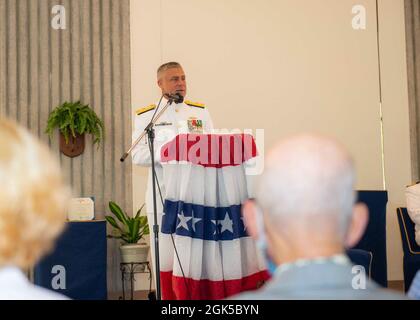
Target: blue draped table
x=81, y=253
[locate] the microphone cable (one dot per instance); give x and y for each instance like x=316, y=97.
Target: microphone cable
x=154, y=114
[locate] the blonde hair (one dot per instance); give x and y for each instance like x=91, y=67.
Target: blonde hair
x=33, y=197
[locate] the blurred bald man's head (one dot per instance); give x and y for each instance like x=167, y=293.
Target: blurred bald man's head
x=306, y=195
x=308, y=176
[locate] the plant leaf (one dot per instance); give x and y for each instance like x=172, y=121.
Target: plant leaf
x=135, y=230
x=112, y=222
x=117, y=211
x=139, y=211
x=72, y=118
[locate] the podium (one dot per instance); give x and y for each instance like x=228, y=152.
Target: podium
x=207, y=178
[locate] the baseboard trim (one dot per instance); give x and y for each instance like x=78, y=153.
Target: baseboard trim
x=396, y=285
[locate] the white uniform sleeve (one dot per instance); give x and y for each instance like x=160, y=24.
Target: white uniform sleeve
x=141, y=153
x=208, y=123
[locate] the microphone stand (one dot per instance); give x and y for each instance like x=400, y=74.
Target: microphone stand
x=150, y=131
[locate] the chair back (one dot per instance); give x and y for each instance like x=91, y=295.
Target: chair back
x=374, y=238
x=361, y=257
x=407, y=230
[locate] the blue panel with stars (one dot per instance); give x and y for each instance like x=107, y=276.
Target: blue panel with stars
x=200, y=222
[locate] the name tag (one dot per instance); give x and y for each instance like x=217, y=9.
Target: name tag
x=163, y=124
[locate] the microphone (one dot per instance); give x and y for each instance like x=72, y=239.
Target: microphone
x=175, y=97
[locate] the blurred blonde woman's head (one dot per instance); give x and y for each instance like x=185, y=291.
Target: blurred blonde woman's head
x=33, y=197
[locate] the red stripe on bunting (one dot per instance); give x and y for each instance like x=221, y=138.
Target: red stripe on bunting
x=210, y=150
x=178, y=288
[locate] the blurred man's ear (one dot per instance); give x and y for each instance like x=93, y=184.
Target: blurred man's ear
x=249, y=212
x=358, y=223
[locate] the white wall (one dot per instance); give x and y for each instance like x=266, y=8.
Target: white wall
x=396, y=123
x=286, y=66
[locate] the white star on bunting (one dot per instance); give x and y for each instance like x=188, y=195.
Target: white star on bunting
x=226, y=224
x=183, y=221
x=215, y=226
x=195, y=220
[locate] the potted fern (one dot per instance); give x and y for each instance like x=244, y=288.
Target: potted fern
x=130, y=230
x=73, y=119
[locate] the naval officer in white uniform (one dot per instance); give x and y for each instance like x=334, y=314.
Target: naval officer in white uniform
x=186, y=117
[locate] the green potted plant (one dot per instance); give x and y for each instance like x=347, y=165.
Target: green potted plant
x=130, y=230
x=73, y=119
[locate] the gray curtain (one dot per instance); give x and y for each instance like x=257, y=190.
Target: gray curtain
x=41, y=67
x=412, y=20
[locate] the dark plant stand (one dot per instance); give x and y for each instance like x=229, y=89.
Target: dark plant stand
x=128, y=272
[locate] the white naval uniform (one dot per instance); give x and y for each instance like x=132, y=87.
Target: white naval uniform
x=173, y=121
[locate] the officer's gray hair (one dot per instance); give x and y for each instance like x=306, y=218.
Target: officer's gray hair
x=166, y=66
x=305, y=177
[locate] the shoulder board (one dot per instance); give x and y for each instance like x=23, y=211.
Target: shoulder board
x=195, y=104
x=145, y=109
